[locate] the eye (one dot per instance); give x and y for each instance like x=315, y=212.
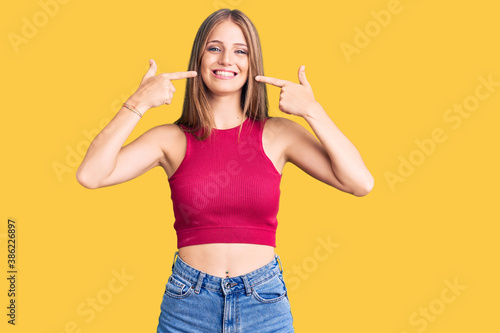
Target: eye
x=242, y=52
x=213, y=47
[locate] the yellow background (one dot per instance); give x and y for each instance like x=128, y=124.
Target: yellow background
x=396, y=247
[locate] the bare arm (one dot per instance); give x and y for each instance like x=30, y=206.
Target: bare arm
x=107, y=162
x=333, y=159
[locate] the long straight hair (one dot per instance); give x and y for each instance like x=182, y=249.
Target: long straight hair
x=196, y=111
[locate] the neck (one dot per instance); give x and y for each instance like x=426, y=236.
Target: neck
x=226, y=110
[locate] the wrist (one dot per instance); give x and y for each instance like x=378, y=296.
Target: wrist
x=314, y=111
x=137, y=104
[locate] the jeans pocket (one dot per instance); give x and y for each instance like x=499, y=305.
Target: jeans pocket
x=178, y=287
x=270, y=291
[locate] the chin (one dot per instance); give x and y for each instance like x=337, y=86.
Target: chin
x=225, y=92
x=228, y=90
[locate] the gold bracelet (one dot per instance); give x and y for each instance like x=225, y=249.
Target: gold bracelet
x=133, y=109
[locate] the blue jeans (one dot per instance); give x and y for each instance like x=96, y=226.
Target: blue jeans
x=195, y=301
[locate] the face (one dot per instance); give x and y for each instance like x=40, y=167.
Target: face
x=224, y=65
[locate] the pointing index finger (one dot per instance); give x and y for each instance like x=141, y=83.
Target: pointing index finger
x=181, y=75
x=271, y=80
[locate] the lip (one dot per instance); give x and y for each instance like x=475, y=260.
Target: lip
x=224, y=77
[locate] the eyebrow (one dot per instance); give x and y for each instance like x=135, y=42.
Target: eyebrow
x=218, y=41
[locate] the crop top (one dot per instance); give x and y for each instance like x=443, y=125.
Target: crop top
x=224, y=191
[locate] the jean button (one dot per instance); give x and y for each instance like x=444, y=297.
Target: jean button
x=228, y=285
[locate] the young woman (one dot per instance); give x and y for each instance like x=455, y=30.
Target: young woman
x=223, y=158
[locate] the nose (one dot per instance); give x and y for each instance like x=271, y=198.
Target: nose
x=225, y=58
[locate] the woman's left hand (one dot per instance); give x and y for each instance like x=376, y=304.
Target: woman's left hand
x=296, y=99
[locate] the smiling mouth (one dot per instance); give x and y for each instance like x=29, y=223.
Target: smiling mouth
x=224, y=73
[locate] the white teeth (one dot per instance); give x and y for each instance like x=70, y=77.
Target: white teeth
x=222, y=73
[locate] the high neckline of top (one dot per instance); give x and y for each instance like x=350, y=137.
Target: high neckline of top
x=229, y=129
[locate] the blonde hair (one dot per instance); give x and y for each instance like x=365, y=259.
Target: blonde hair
x=196, y=112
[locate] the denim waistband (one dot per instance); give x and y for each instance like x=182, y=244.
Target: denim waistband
x=226, y=285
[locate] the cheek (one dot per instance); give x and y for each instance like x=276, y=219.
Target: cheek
x=246, y=74
x=205, y=71
x=205, y=77
x=244, y=69
x=204, y=66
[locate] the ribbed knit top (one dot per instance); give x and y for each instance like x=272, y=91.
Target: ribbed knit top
x=224, y=191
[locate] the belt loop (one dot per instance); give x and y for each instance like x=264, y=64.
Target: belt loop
x=173, y=263
x=279, y=261
x=248, y=289
x=199, y=282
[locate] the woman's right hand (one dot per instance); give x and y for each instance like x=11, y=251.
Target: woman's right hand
x=156, y=90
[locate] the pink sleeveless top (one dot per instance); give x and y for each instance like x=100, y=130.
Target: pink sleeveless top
x=224, y=191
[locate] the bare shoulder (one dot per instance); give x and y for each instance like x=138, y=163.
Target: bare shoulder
x=172, y=140
x=164, y=134
x=290, y=138
x=168, y=136
x=283, y=130
x=166, y=131
x=279, y=135
x=283, y=125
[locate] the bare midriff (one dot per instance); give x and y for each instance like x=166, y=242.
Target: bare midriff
x=227, y=259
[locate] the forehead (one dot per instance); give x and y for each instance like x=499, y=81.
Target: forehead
x=227, y=32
